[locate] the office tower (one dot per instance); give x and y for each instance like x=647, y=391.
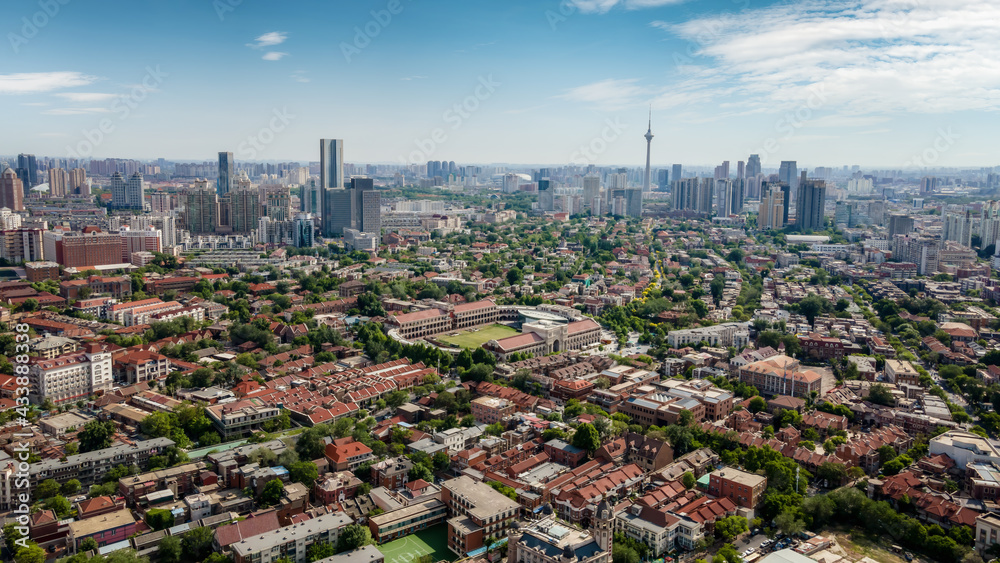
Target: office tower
x=225, y=183
x=77, y=184
x=633, y=202
x=368, y=206
x=809, y=205
x=617, y=181
x=591, y=190
x=786, y=198
x=303, y=236
x=338, y=211
x=662, y=179
x=277, y=201
x=928, y=185
x=741, y=170
x=753, y=165
x=27, y=170
x=11, y=191
x=311, y=198
x=58, y=178
x=676, y=172
x=959, y=228
x=201, y=209
x=788, y=173
x=244, y=210
x=649, y=142
x=772, y=209
x=331, y=162
x=900, y=225
x=546, y=195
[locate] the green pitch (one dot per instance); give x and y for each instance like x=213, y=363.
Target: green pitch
x=433, y=540
x=475, y=339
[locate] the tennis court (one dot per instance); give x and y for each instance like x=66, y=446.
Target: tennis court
x=433, y=540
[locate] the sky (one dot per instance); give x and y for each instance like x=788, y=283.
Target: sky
x=880, y=83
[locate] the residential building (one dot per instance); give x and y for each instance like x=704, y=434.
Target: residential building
x=89, y=468
x=71, y=377
x=736, y=335
x=105, y=530
x=242, y=418
x=477, y=513
x=347, y=454
x=11, y=191
x=291, y=542
x=489, y=410
x=404, y=521
x=744, y=488
x=782, y=375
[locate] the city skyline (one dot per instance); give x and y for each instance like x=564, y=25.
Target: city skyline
x=897, y=88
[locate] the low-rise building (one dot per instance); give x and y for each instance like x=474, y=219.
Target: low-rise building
x=477, y=511
x=744, y=488
x=291, y=542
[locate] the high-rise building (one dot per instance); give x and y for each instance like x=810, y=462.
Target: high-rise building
x=201, y=209
x=311, y=198
x=591, y=190
x=928, y=185
x=741, y=170
x=788, y=173
x=58, y=179
x=127, y=194
x=685, y=194
x=649, y=141
x=77, y=184
x=277, y=201
x=244, y=210
x=633, y=203
x=546, y=195
x=722, y=171
x=511, y=183
x=368, y=206
x=676, y=171
x=358, y=207
x=989, y=224
x=786, y=198
x=11, y=191
x=224, y=184
x=753, y=165
x=772, y=209
x=662, y=179
x=730, y=197
x=331, y=162
x=161, y=202
x=22, y=245
x=139, y=240
x=900, y=225
x=27, y=170
x=809, y=205
x=304, y=237
x=959, y=228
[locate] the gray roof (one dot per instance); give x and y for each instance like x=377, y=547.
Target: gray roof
x=360, y=555
x=281, y=536
x=100, y=455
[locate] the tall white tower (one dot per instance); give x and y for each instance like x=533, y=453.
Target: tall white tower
x=649, y=141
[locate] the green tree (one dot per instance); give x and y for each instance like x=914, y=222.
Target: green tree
x=271, y=494
x=96, y=435
x=32, y=553
x=47, y=488
x=197, y=543
x=730, y=527
x=304, y=472
x=319, y=551
x=757, y=404
x=170, y=550
x=789, y=522
x=688, y=479
x=587, y=438
x=59, y=505
x=352, y=537
x=70, y=487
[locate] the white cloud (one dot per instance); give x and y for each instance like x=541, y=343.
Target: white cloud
x=34, y=82
x=414, y=77
x=859, y=58
x=604, y=6
x=269, y=39
x=274, y=56
x=608, y=94
x=74, y=111
x=86, y=97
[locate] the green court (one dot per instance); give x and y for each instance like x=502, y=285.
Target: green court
x=476, y=338
x=433, y=540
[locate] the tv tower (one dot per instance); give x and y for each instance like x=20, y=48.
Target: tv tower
x=649, y=140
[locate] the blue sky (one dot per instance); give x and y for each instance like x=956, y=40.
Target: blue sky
x=888, y=83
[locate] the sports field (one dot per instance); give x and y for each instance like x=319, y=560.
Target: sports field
x=433, y=540
x=476, y=338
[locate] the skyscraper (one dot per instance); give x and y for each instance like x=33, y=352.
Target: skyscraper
x=244, y=210
x=546, y=195
x=77, y=184
x=225, y=182
x=662, y=179
x=58, y=178
x=311, y=198
x=741, y=170
x=201, y=209
x=928, y=185
x=676, y=172
x=786, y=190
x=303, y=236
x=331, y=163
x=772, y=209
x=753, y=165
x=277, y=202
x=368, y=206
x=27, y=170
x=788, y=173
x=649, y=142
x=11, y=191
x=591, y=190
x=809, y=205
x=128, y=194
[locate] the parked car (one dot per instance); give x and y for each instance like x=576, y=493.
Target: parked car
x=908, y=556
